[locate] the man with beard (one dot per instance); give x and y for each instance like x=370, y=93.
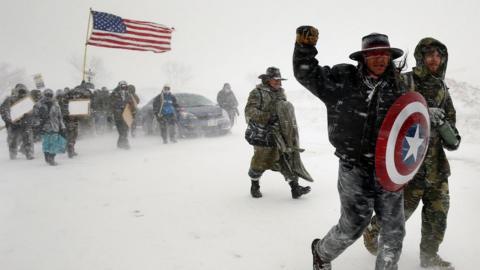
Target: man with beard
x=357, y=99
x=430, y=185
x=21, y=129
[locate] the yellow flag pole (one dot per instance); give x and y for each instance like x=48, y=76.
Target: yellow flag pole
x=86, y=41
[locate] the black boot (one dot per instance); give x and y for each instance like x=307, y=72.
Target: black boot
x=297, y=190
x=255, y=189
x=52, y=160
x=71, y=151
x=318, y=263
x=47, y=157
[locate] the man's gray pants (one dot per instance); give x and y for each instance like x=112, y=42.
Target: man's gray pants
x=360, y=194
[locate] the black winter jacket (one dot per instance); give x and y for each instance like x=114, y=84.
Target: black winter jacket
x=355, y=112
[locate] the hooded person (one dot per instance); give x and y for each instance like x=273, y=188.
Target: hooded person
x=49, y=115
x=18, y=129
x=357, y=98
x=430, y=184
x=165, y=109
x=227, y=100
x=272, y=131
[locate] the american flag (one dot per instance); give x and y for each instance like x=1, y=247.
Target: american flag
x=112, y=31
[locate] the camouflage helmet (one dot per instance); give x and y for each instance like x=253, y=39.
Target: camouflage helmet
x=272, y=73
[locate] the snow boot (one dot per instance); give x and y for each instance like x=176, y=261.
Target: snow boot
x=318, y=263
x=297, y=190
x=434, y=262
x=13, y=155
x=71, y=151
x=52, y=160
x=370, y=238
x=255, y=189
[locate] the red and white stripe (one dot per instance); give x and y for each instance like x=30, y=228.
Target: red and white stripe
x=140, y=36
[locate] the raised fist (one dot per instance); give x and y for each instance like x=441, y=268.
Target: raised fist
x=307, y=35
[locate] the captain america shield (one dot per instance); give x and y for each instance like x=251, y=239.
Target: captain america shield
x=402, y=141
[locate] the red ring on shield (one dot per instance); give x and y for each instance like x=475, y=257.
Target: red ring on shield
x=402, y=141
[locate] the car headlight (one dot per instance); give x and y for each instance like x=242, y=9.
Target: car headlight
x=188, y=115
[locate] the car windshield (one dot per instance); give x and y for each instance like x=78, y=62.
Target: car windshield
x=192, y=100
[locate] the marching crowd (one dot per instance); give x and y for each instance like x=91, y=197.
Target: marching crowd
x=53, y=120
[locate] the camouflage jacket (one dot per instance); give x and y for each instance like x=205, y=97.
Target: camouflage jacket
x=435, y=92
x=261, y=104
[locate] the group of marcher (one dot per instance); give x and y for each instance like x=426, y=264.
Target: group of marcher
x=357, y=99
x=52, y=122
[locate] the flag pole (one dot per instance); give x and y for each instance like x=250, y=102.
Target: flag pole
x=86, y=41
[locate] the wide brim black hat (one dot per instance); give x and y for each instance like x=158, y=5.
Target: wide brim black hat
x=373, y=42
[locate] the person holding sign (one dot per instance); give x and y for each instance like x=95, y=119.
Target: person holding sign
x=123, y=106
x=16, y=113
x=75, y=104
x=357, y=98
x=165, y=109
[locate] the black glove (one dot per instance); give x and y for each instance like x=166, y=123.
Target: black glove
x=307, y=35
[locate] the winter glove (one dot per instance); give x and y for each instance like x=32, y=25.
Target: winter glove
x=437, y=116
x=307, y=35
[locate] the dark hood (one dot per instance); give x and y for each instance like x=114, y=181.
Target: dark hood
x=420, y=69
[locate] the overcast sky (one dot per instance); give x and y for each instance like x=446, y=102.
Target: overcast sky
x=230, y=41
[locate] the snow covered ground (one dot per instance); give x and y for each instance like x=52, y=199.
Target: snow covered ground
x=187, y=206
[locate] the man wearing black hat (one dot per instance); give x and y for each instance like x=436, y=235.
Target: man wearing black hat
x=357, y=99
x=264, y=111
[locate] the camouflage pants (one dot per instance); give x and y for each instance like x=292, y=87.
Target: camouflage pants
x=360, y=194
x=72, y=133
x=122, y=129
x=436, y=202
x=20, y=134
x=264, y=158
x=167, y=125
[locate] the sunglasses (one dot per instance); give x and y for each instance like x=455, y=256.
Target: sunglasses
x=377, y=53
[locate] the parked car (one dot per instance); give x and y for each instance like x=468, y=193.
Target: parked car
x=197, y=116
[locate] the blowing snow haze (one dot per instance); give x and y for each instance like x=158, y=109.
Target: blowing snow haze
x=226, y=41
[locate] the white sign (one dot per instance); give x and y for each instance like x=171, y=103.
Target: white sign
x=21, y=107
x=79, y=107
x=39, y=83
